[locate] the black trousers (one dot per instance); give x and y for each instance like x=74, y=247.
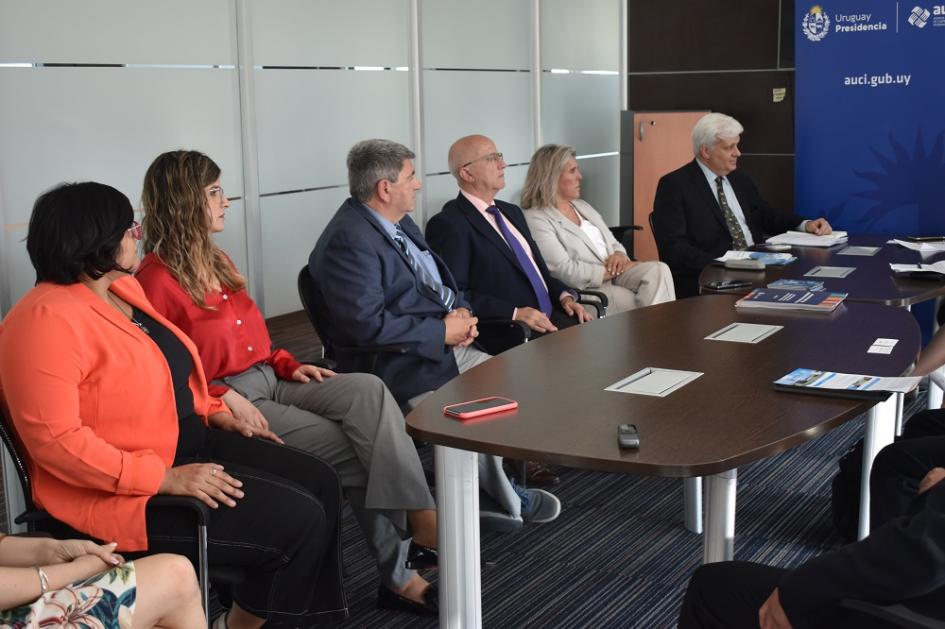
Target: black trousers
x=495, y=339
x=729, y=595
x=900, y=466
x=284, y=533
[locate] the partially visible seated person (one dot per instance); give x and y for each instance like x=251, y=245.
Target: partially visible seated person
x=349, y=420
x=575, y=241
x=489, y=249
x=110, y=403
x=46, y=582
x=377, y=282
x=706, y=207
x=901, y=561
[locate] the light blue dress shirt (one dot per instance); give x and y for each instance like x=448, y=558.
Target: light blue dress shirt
x=425, y=257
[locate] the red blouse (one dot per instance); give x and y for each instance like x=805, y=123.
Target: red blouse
x=231, y=338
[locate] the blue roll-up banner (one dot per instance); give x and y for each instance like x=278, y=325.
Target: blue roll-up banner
x=870, y=115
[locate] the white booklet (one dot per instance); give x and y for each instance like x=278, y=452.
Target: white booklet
x=654, y=381
x=803, y=239
x=935, y=267
x=922, y=247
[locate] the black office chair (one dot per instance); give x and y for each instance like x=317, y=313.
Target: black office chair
x=624, y=235
x=39, y=521
x=895, y=615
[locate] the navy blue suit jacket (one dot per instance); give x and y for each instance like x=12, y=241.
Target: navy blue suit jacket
x=689, y=226
x=369, y=295
x=484, y=266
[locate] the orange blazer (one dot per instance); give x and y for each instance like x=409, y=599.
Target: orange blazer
x=92, y=402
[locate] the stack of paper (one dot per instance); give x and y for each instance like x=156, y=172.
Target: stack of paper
x=803, y=239
x=922, y=247
x=764, y=298
x=769, y=259
x=934, y=271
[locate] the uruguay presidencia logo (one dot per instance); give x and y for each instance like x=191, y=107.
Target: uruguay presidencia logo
x=816, y=23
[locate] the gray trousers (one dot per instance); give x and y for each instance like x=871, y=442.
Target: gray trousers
x=352, y=422
x=492, y=478
x=645, y=284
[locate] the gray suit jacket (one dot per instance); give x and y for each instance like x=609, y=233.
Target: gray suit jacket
x=569, y=253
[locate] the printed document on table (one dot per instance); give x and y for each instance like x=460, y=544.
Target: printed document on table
x=831, y=380
x=923, y=247
x=936, y=267
x=803, y=239
x=654, y=381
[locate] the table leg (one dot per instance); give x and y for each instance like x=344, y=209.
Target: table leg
x=879, y=432
x=457, y=503
x=934, y=399
x=719, y=540
x=692, y=503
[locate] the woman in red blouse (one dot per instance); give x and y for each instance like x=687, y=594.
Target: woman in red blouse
x=350, y=420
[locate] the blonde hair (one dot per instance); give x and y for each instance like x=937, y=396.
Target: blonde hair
x=177, y=225
x=544, y=171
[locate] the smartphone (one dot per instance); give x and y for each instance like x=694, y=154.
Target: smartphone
x=480, y=407
x=728, y=284
x=925, y=238
x=628, y=436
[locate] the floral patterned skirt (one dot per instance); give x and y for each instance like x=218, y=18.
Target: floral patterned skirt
x=104, y=601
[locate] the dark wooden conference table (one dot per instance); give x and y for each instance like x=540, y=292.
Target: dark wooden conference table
x=728, y=417
x=872, y=281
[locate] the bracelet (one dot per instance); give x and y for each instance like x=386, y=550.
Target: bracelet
x=43, y=581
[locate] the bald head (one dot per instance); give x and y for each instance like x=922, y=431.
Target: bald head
x=477, y=166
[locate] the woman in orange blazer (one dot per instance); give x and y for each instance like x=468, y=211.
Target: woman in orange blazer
x=111, y=404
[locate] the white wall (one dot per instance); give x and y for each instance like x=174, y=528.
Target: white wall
x=95, y=90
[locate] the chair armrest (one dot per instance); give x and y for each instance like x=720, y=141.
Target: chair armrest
x=200, y=509
x=388, y=348
x=523, y=328
x=896, y=615
x=623, y=235
x=596, y=298
x=324, y=363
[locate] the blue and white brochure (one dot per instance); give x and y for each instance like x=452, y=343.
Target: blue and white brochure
x=825, y=381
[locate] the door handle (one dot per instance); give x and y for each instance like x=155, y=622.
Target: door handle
x=642, y=126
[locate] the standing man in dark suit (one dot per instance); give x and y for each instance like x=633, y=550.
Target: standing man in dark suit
x=706, y=208
x=377, y=282
x=488, y=247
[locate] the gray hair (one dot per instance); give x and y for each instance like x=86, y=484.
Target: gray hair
x=711, y=127
x=544, y=171
x=371, y=161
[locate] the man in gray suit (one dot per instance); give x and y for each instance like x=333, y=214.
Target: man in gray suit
x=378, y=282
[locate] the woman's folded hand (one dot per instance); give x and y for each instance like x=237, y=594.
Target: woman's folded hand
x=204, y=481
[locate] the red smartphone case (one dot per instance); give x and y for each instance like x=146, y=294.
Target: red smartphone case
x=501, y=404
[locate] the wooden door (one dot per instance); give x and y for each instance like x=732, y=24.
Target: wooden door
x=662, y=142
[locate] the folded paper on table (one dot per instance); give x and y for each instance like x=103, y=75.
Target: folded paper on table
x=768, y=259
x=803, y=239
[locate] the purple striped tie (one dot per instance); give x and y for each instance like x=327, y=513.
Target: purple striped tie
x=544, y=301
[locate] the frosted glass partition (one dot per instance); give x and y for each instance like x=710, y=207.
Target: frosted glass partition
x=481, y=34
x=291, y=225
x=119, y=135
x=307, y=120
x=496, y=104
x=439, y=189
x=581, y=35
x=581, y=110
x=601, y=186
x=117, y=31
x=330, y=33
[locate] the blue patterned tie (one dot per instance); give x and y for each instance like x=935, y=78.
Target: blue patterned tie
x=544, y=301
x=445, y=293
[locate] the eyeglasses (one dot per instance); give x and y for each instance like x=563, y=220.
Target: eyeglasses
x=491, y=157
x=136, y=231
x=215, y=191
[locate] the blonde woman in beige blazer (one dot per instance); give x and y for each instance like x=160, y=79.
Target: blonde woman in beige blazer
x=576, y=243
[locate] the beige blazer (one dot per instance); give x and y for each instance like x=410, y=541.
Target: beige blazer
x=568, y=252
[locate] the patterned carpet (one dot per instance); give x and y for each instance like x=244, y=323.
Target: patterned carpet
x=618, y=556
